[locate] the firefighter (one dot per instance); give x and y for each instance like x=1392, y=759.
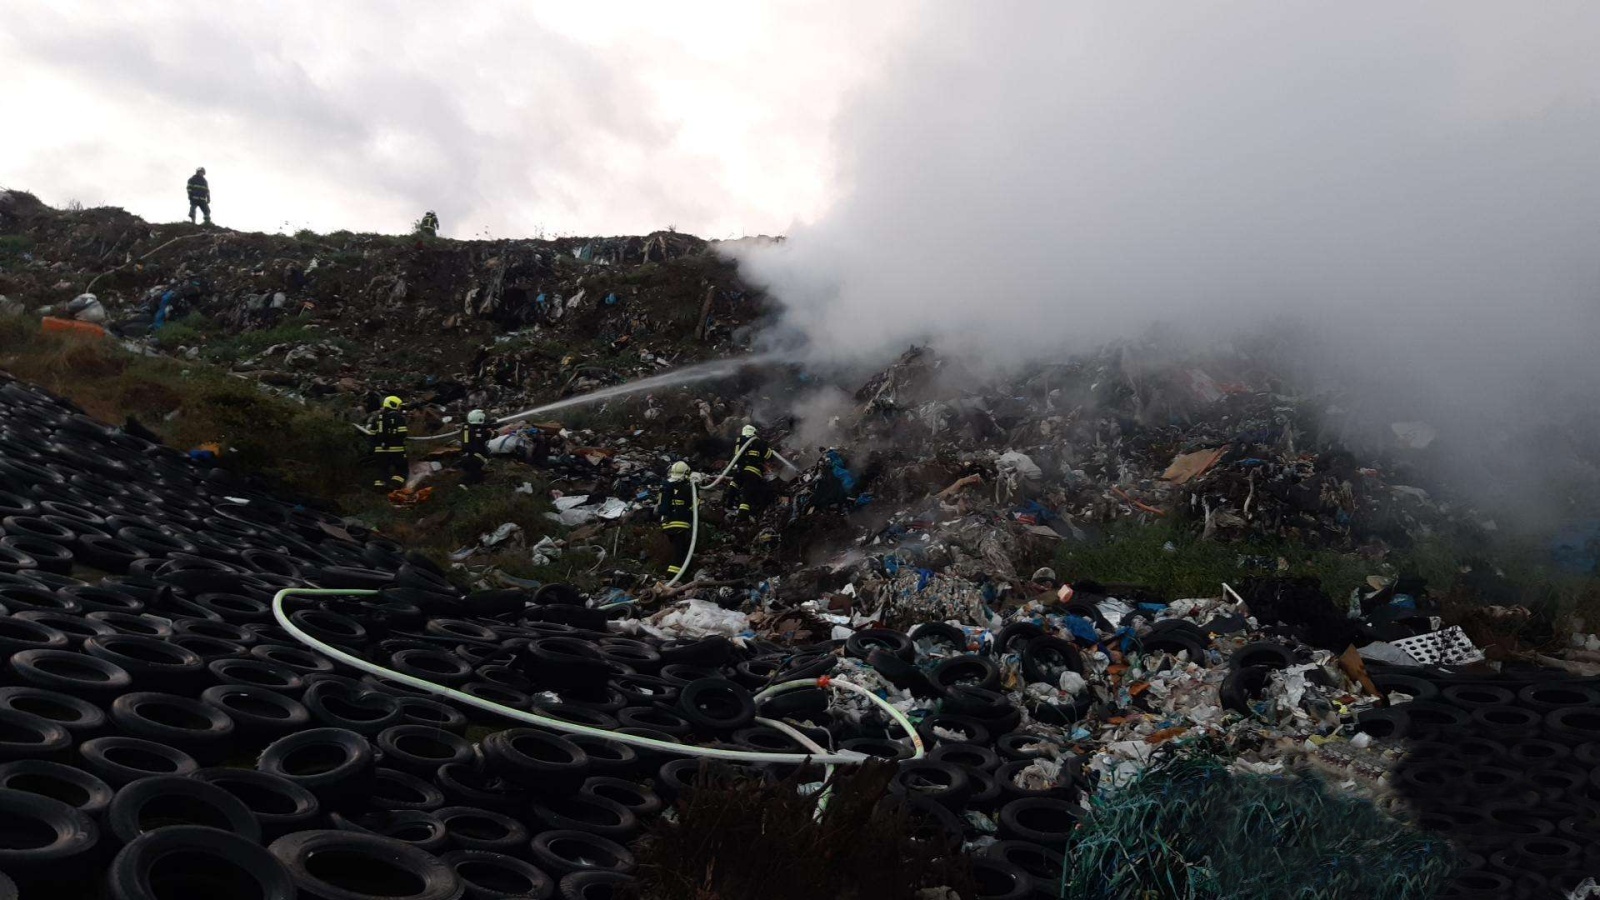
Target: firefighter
x=199, y=194
x=474, y=447
x=389, y=432
x=676, y=510
x=749, y=473
x=429, y=225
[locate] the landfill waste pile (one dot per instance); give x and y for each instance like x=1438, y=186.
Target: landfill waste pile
x=169, y=696
x=335, y=318
x=903, y=588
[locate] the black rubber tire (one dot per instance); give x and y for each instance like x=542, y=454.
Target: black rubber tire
x=256, y=711
x=1243, y=685
x=467, y=786
x=940, y=633
x=969, y=669
x=38, y=598
x=118, y=760
x=971, y=731
x=1506, y=721
x=77, y=628
x=1415, y=688
x=432, y=713
x=154, y=664
x=944, y=783
x=331, y=627
x=882, y=748
x=565, y=852
x=1573, y=725
x=1549, y=696
x=200, y=730
x=607, y=757
x=995, y=879
x=278, y=804
x=1390, y=723
x=1043, y=864
x=209, y=649
x=364, y=711
x=191, y=861
x=1044, y=658
x=1022, y=745
x=73, y=786
x=364, y=866
x=1048, y=821
x=235, y=609
x=586, y=812
x=46, y=555
x=901, y=674
x=303, y=661
x=642, y=801
x=397, y=790
x=715, y=650
x=130, y=623
x=419, y=828
x=27, y=736
x=108, y=554
x=70, y=673
x=1269, y=654
x=421, y=750
x=57, y=838
x=258, y=673
x=332, y=763
x=158, y=801
x=436, y=666
x=536, y=760
x=474, y=828
x=492, y=876
x=716, y=705
x=105, y=599
x=17, y=635
x=1476, y=696
x=80, y=717
x=1065, y=789
x=861, y=644
x=967, y=756
x=594, y=886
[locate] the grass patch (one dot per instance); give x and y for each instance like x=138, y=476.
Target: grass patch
x=249, y=343
x=14, y=245
x=299, y=449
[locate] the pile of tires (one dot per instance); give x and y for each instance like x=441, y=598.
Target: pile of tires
x=161, y=736
x=1508, y=768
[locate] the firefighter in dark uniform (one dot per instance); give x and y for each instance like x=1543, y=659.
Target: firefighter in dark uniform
x=199, y=195
x=429, y=224
x=475, y=447
x=749, y=473
x=676, y=510
x=389, y=445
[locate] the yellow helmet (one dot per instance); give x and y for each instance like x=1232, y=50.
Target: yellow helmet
x=748, y=431
x=391, y=402
x=678, y=472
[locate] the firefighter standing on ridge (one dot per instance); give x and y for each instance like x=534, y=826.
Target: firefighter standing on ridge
x=474, y=447
x=199, y=194
x=389, y=433
x=676, y=510
x=749, y=474
x=429, y=224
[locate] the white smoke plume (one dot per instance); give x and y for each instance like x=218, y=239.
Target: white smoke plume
x=1416, y=185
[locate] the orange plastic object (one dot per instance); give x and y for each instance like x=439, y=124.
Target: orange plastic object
x=69, y=326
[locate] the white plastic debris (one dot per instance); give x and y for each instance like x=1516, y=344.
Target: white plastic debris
x=695, y=618
x=1449, y=647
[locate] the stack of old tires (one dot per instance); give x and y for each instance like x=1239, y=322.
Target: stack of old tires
x=1508, y=767
x=162, y=737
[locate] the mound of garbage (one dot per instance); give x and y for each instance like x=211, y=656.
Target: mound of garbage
x=336, y=317
x=197, y=671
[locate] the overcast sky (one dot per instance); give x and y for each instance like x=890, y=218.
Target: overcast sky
x=507, y=118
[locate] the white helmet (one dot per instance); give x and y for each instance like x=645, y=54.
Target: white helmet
x=749, y=431
x=476, y=417
x=678, y=472
x=200, y=171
